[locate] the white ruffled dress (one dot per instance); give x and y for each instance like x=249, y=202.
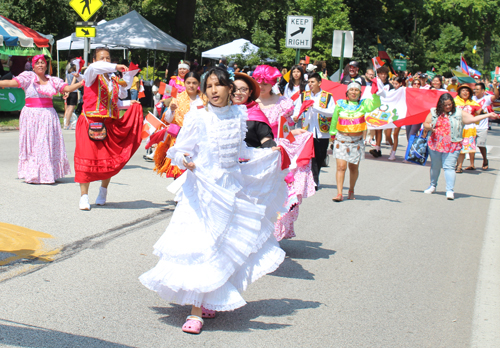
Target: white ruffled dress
x=220, y=238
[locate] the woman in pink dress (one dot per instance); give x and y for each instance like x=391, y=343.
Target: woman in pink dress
x=42, y=155
x=300, y=181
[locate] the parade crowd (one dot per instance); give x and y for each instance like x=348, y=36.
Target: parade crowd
x=244, y=147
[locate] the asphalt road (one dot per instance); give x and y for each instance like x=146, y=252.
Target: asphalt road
x=394, y=268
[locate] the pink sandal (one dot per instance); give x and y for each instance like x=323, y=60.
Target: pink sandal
x=193, y=324
x=207, y=313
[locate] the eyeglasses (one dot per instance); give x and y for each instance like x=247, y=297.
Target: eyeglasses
x=242, y=90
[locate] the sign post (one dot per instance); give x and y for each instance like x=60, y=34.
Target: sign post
x=343, y=45
x=85, y=9
x=299, y=34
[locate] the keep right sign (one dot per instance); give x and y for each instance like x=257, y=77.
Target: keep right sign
x=299, y=32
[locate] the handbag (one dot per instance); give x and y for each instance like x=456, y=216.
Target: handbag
x=417, y=151
x=97, y=130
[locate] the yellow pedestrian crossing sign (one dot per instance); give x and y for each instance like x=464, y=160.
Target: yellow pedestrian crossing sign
x=86, y=8
x=85, y=31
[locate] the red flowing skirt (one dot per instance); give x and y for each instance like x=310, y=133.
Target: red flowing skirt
x=100, y=160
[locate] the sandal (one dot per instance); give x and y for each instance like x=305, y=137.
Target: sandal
x=459, y=170
x=470, y=168
x=193, y=324
x=350, y=195
x=339, y=198
x=485, y=165
x=207, y=313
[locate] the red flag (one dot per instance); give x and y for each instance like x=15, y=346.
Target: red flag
x=374, y=86
x=308, y=59
x=306, y=154
x=285, y=159
x=157, y=137
x=161, y=90
x=141, y=91
x=133, y=66
x=295, y=96
x=305, y=105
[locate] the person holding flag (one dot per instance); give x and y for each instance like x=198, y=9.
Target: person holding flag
x=174, y=117
x=315, y=109
x=105, y=142
x=348, y=125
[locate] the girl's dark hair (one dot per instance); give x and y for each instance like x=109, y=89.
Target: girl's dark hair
x=192, y=74
x=401, y=81
x=72, y=68
x=99, y=50
x=223, y=77
x=302, y=80
x=440, y=104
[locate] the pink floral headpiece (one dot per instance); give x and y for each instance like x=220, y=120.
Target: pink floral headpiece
x=38, y=57
x=266, y=74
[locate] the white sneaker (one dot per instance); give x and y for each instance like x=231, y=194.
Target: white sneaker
x=450, y=195
x=84, y=202
x=430, y=190
x=101, y=199
x=392, y=157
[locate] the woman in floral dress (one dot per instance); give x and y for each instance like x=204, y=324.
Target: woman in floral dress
x=42, y=154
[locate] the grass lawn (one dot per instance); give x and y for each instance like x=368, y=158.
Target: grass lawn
x=11, y=119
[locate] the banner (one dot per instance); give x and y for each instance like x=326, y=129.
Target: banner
x=11, y=99
x=392, y=108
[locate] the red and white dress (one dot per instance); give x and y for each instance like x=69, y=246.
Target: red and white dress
x=100, y=160
x=42, y=155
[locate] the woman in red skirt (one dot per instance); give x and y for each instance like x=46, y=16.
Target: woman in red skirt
x=105, y=142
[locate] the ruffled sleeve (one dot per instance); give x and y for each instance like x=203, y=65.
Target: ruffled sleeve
x=187, y=140
x=58, y=83
x=25, y=79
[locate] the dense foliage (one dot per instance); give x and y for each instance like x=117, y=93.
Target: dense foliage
x=428, y=33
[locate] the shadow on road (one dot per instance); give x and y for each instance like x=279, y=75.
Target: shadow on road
x=300, y=249
x=33, y=336
x=134, y=166
x=242, y=319
x=139, y=204
x=458, y=195
x=303, y=249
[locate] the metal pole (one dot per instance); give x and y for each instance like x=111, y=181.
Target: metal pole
x=342, y=56
x=152, y=95
x=58, y=63
x=147, y=65
x=86, y=46
x=297, y=57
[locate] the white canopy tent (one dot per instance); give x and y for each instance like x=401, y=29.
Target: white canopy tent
x=134, y=31
x=239, y=46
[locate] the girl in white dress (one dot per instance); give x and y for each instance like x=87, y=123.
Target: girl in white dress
x=220, y=238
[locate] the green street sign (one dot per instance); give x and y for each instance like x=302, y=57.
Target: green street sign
x=399, y=64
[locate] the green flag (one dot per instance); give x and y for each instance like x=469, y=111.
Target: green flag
x=11, y=99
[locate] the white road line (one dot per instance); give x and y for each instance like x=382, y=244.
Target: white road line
x=486, y=320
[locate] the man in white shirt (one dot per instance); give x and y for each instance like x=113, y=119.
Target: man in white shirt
x=485, y=100
x=316, y=119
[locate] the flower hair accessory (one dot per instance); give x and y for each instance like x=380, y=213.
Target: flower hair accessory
x=38, y=57
x=266, y=74
x=231, y=75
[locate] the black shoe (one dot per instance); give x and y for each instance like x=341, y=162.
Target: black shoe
x=375, y=153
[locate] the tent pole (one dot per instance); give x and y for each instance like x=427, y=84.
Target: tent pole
x=147, y=65
x=58, y=63
x=152, y=95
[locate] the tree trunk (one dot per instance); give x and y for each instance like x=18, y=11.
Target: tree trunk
x=487, y=45
x=183, y=31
